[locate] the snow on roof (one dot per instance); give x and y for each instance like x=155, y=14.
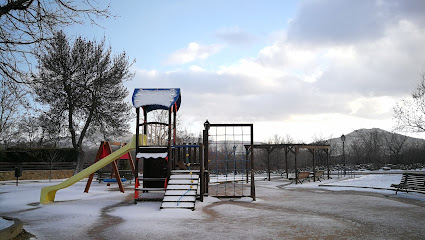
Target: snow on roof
x=151, y=155
x=156, y=98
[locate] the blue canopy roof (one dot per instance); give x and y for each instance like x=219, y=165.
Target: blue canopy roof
x=156, y=98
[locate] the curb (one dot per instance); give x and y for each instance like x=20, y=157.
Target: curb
x=12, y=231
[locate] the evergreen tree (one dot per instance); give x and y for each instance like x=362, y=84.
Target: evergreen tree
x=82, y=86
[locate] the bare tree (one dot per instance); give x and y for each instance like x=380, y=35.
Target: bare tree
x=185, y=136
x=321, y=156
x=395, y=145
x=82, y=86
x=410, y=113
x=372, y=142
x=12, y=105
x=26, y=24
x=158, y=133
x=52, y=156
x=29, y=130
x=356, y=151
x=52, y=130
x=275, y=139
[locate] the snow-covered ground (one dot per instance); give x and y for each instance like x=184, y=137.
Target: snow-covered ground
x=282, y=210
x=4, y=223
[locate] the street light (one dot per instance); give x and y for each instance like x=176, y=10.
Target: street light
x=343, y=150
x=207, y=125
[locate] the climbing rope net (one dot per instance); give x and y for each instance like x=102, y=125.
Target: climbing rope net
x=230, y=164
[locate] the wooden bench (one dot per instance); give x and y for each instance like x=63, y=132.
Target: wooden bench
x=319, y=175
x=302, y=176
x=411, y=182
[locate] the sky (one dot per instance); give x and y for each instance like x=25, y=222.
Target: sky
x=306, y=69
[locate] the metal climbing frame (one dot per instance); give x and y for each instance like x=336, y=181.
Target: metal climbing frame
x=230, y=160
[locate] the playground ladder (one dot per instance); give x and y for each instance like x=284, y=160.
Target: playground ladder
x=182, y=190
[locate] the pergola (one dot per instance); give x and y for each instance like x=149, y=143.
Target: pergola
x=294, y=148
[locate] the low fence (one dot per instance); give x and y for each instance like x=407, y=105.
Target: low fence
x=10, y=166
x=36, y=174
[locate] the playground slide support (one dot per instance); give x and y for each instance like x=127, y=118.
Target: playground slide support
x=48, y=193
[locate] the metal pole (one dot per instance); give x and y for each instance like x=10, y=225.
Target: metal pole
x=201, y=160
x=286, y=162
x=206, y=155
x=314, y=165
x=246, y=163
x=252, y=164
x=268, y=163
x=145, y=122
x=136, y=161
x=170, y=111
x=327, y=162
x=174, y=154
x=343, y=155
x=295, y=162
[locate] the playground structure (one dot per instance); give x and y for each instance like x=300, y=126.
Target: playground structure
x=103, y=151
x=295, y=149
x=178, y=172
x=221, y=166
x=231, y=159
x=48, y=194
x=178, y=175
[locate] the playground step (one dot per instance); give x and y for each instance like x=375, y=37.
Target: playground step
x=152, y=179
x=182, y=187
x=180, y=193
x=184, y=176
x=174, y=205
x=182, y=190
x=150, y=189
x=179, y=198
x=185, y=172
x=183, y=182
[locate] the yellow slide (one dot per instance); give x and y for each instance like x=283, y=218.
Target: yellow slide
x=48, y=193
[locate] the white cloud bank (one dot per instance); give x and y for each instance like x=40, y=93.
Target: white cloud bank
x=336, y=69
x=194, y=51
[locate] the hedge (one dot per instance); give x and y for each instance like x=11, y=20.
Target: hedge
x=38, y=155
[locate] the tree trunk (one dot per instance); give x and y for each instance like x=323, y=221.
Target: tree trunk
x=80, y=160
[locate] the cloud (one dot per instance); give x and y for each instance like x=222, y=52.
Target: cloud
x=346, y=72
x=344, y=22
x=336, y=21
x=235, y=36
x=286, y=79
x=194, y=51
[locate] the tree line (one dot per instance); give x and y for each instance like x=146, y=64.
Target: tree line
x=55, y=90
x=373, y=148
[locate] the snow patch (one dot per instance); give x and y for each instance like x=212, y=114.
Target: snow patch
x=151, y=155
x=162, y=97
x=4, y=223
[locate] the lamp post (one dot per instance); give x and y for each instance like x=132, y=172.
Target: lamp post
x=343, y=150
x=207, y=125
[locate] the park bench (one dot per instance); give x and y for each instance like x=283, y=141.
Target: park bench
x=302, y=176
x=319, y=175
x=411, y=182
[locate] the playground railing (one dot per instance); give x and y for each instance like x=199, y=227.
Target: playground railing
x=190, y=156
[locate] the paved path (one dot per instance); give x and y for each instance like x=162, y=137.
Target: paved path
x=279, y=213
x=292, y=214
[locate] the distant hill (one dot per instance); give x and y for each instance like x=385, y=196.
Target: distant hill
x=359, y=135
